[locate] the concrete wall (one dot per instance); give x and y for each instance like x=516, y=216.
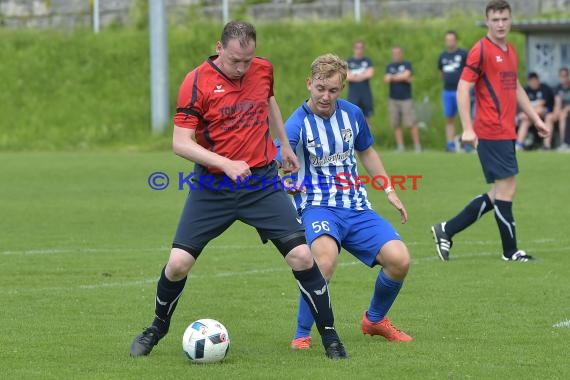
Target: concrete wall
x=76, y=13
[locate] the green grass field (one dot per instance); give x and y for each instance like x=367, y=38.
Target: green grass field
x=83, y=239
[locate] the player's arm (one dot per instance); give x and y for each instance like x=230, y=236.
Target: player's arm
x=464, y=106
x=375, y=168
x=526, y=106
x=288, y=161
x=184, y=145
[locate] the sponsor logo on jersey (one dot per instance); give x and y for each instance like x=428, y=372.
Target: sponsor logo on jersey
x=331, y=159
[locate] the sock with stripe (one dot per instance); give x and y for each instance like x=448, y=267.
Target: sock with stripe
x=385, y=293
x=315, y=292
x=167, y=295
x=506, y=224
x=469, y=215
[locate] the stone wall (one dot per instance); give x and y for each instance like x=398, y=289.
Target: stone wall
x=76, y=13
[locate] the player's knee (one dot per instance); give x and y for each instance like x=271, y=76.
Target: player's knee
x=288, y=243
x=506, y=189
x=403, y=264
x=179, y=264
x=300, y=258
x=395, y=259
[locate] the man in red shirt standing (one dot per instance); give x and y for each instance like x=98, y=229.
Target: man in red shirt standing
x=224, y=115
x=492, y=69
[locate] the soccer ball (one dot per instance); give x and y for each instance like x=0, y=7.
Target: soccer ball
x=206, y=341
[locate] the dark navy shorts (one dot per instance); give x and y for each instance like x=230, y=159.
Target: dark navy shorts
x=498, y=159
x=363, y=101
x=210, y=210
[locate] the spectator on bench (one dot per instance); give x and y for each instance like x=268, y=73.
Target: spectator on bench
x=542, y=100
x=561, y=108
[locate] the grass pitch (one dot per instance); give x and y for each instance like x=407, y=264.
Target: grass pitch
x=83, y=239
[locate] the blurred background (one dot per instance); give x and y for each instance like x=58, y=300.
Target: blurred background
x=75, y=74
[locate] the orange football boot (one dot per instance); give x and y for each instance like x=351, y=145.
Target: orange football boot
x=302, y=343
x=384, y=328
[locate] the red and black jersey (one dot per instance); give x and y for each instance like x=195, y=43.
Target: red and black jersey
x=230, y=116
x=494, y=72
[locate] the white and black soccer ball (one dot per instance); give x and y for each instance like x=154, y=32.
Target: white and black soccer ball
x=206, y=341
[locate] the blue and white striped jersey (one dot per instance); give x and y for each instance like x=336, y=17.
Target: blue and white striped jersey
x=326, y=152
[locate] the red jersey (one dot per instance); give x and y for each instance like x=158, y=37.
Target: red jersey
x=494, y=72
x=230, y=116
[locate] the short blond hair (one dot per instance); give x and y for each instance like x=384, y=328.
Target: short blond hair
x=327, y=65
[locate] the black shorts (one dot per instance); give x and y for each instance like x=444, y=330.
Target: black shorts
x=211, y=210
x=498, y=159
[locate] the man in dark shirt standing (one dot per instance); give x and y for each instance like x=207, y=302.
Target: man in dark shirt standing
x=360, y=71
x=399, y=77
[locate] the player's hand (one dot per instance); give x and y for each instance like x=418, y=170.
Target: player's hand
x=290, y=186
x=397, y=203
x=289, y=162
x=236, y=169
x=542, y=129
x=469, y=137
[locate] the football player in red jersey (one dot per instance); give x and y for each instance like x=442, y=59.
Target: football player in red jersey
x=491, y=69
x=226, y=109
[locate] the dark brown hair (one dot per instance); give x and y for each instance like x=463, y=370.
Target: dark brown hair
x=497, y=6
x=238, y=30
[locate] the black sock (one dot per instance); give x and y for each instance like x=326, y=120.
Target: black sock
x=506, y=224
x=469, y=215
x=167, y=295
x=315, y=291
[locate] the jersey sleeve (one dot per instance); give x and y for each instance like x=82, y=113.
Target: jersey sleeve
x=439, y=62
x=370, y=63
x=408, y=66
x=364, y=138
x=473, y=64
x=188, y=107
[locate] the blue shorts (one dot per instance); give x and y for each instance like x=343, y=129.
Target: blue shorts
x=360, y=232
x=449, y=101
x=498, y=159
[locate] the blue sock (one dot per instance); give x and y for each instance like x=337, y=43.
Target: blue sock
x=450, y=146
x=469, y=215
x=385, y=294
x=305, y=319
x=506, y=223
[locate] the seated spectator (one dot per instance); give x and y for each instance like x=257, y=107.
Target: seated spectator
x=561, y=108
x=542, y=99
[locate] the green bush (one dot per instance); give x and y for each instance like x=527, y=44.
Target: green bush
x=77, y=90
